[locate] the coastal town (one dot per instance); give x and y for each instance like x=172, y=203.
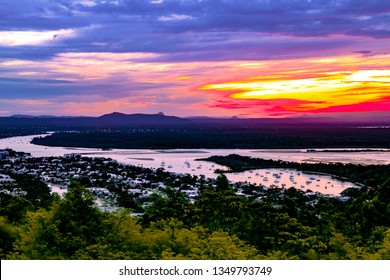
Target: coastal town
x=118, y=185
x=49, y=199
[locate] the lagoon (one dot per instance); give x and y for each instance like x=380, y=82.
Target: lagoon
x=185, y=161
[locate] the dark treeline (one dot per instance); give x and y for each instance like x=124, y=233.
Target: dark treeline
x=6, y=132
x=157, y=131
x=225, y=138
x=274, y=224
x=372, y=175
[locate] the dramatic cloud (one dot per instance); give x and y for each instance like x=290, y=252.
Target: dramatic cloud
x=196, y=57
x=332, y=85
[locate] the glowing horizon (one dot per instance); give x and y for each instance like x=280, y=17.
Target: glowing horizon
x=194, y=58
x=326, y=90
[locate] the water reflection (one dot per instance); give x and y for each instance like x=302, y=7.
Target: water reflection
x=185, y=161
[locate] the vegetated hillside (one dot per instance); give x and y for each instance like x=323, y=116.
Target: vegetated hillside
x=220, y=224
x=113, y=120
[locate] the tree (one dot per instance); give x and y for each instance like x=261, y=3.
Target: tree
x=168, y=203
x=219, y=210
x=78, y=219
x=384, y=251
x=17, y=208
x=222, y=183
x=71, y=224
x=8, y=235
x=121, y=238
x=36, y=191
x=341, y=249
x=197, y=243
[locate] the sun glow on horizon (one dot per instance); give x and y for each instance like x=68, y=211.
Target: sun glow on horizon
x=310, y=90
x=140, y=82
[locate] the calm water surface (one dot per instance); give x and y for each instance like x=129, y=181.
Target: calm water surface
x=183, y=161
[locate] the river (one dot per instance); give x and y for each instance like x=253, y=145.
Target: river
x=183, y=161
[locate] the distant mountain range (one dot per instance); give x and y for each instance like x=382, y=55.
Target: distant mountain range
x=120, y=120
x=113, y=120
x=138, y=120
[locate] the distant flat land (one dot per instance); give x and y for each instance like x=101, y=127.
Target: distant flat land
x=225, y=138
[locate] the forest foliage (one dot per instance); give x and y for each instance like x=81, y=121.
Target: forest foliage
x=219, y=224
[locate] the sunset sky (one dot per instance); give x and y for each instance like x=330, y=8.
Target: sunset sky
x=252, y=58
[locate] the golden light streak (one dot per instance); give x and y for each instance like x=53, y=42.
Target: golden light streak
x=330, y=89
x=183, y=78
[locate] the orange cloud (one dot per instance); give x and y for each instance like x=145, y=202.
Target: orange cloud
x=134, y=82
x=311, y=86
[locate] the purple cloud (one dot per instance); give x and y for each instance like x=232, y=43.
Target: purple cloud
x=173, y=26
x=173, y=32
